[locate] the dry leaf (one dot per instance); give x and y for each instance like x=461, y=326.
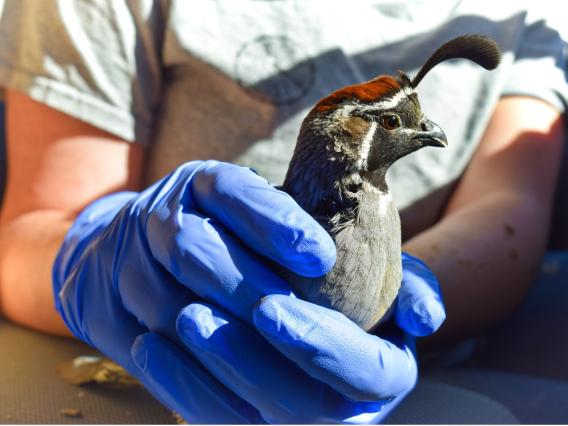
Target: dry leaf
x=92, y=369
x=71, y=412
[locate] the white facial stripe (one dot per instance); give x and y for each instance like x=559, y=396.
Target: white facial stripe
x=346, y=110
x=366, y=146
x=395, y=100
x=325, y=125
x=391, y=102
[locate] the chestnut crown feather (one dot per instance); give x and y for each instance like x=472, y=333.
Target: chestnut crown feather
x=357, y=132
x=477, y=48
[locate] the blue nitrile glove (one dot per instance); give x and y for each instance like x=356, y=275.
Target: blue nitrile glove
x=132, y=261
x=309, y=364
x=420, y=309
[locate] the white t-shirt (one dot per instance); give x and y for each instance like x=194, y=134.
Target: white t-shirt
x=233, y=79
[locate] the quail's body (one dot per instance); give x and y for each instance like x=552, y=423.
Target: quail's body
x=368, y=270
x=350, y=199
x=337, y=173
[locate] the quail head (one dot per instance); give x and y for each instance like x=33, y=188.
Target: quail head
x=346, y=144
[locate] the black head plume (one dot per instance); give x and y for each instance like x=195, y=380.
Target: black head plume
x=477, y=48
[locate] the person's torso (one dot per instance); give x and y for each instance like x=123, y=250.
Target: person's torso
x=241, y=75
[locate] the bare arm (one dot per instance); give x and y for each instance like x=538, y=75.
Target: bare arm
x=56, y=165
x=486, y=248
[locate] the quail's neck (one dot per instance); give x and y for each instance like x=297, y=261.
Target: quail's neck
x=321, y=194
x=324, y=175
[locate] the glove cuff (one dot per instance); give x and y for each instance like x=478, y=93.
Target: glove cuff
x=87, y=226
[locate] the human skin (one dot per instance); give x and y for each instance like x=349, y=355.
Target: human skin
x=56, y=166
x=484, y=250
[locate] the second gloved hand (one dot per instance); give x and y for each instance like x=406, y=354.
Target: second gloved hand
x=132, y=261
x=301, y=363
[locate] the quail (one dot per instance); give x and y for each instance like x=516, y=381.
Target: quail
x=346, y=144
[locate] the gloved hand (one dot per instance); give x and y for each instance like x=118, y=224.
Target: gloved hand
x=303, y=363
x=132, y=261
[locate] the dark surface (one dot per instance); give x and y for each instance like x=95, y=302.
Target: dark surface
x=31, y=390
x=532, y=400
x=534, y=339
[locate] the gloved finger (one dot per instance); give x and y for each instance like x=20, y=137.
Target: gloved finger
x=214, y=264
x=247, y=364
x=419, y=306
x=183, y=385
x=266, y=219
x=149, y=292
x=145, y=289
x=334, y=350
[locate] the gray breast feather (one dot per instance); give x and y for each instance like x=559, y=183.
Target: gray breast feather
x=367, y=274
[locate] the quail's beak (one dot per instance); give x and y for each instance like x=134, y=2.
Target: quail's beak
x=431, y=134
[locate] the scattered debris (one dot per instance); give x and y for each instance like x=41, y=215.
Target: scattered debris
x=179, y=419
x=93, y=369
x=71, y=412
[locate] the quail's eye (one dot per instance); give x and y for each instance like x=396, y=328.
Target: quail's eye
x=390, y=121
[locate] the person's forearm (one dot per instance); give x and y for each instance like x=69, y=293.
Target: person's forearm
x=28, y=246
x=486, y=248
x=485, y=257
x=57, y=166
